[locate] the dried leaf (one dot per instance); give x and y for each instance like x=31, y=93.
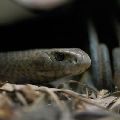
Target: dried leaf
x=116, y=106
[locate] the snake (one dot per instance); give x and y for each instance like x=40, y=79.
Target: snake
x=42, y=65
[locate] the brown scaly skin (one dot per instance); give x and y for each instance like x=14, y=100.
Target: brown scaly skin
x=42, y=65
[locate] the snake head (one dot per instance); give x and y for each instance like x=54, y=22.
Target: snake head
x=67, y=61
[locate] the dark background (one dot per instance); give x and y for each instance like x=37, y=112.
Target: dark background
x=65, y=26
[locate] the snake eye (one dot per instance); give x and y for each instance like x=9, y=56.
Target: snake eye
x=59, y=56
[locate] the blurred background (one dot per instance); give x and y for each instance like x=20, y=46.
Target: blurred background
x=63, y=24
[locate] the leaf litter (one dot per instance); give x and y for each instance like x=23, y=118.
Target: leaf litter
x=68, y=101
